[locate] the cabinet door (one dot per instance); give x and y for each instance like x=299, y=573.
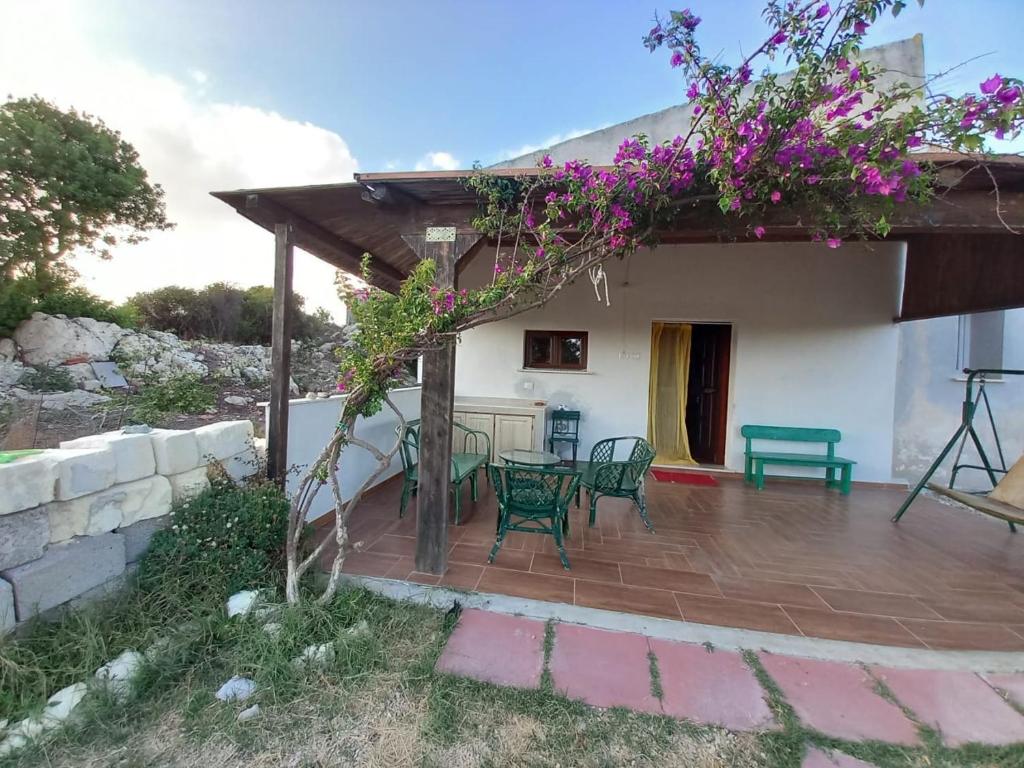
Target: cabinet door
x=481, y=422
x=512, y=432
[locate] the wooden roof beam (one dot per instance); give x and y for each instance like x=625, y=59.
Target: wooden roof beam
x=323, y=243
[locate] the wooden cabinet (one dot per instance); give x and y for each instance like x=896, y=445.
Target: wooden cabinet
x=512, y=432
x=482, y=422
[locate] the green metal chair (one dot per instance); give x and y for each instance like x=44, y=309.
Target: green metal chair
x=604, y=475
x=475, y=453
x=533, y=501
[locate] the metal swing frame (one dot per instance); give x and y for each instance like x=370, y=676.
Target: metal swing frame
x=966, y=430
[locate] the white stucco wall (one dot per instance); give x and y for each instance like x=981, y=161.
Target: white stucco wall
x=310, y=426
x=813, y=340
x=930, y=391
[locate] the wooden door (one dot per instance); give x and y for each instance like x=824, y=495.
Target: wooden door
x=512, y=432
x=707, y=399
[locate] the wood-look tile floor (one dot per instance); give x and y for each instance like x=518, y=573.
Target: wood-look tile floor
x=794, y=558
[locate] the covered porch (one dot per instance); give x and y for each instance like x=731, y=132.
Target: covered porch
x=794, y=559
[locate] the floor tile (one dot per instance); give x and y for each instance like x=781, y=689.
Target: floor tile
x=669, y=578
x=765, y=591
x=495, y=648
x=537, y=586
x=734, y=613
x=949, y=635
x=958, y=608
x=1011, y=684
x=580, y=568
x=462, y=576
x=368, y=563
x=838, y=700
x=713, y=688
x=477, y=554
x=612, y=597
x=389, y=544
x=853, y=627
x=959, y=705
x=875, y=603
x=604, y=669
x=817, y=758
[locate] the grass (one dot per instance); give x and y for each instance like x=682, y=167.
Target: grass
x=380, y=703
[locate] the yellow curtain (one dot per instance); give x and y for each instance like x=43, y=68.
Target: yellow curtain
x=666, y=415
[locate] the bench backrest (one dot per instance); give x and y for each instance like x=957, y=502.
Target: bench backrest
x=791, y=434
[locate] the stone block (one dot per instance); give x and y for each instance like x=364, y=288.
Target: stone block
x=176, y=451
x=23, y=536
x=133, y=453
x=81, y=471
x=27, y=482
x=7, y=620
x=66, y=571
x=224, y=439
x=241, y=466
x=120, y=505
x=137, y=536
x=188, y=484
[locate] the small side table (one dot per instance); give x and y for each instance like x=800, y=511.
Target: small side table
x=521, y=458
x=565, y=428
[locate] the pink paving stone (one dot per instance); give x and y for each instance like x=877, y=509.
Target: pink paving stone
x=837, y=699
x=960, y=705
x=495, y=648
x=712, y=688
x=1013, y=685
x=816, y=758
x=604, y=669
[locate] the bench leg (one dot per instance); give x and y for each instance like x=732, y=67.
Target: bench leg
x=847, y=479
x=748, y=473
x=759, y=475
x=830, y=477
x=473, y=486
x=556, y=531
x=457, y=490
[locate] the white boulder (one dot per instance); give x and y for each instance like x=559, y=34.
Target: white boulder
x=27, y=482
x=188, y=484
x=82, y=471
x=249, y=713
x=115, y=507
x=236, y=689
x=224, y=439
x=53, y=339
x=315, y=656
x=8, y=350
x=176, y=451
x=118, y=675
x=242, y=603
x=11, y=372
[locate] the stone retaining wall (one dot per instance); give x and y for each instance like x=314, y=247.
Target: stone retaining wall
x=74, y=520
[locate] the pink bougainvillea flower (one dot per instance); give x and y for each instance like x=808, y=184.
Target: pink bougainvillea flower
x=991, y=85
x=778, y=38
x=776, y=196
x=823, y=10
x=860, y=27
x=854, y=75
x=540, y=253
x=677, y=59
x=834, y=242
x=759, y=232
x=546, y=161
x=693, y=91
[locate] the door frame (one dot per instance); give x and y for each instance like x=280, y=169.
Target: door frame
x=729, y=406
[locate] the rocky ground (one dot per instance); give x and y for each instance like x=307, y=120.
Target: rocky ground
x=50, y=389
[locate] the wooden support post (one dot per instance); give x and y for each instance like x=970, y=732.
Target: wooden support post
x=437, y=405
x=280, y=355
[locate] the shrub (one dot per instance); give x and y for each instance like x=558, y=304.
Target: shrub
x=225, y=539
x=19, y=298
x=171, y=308
x=47, y=378
x=182, y=394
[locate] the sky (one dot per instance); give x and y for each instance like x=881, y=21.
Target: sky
x=223, y=94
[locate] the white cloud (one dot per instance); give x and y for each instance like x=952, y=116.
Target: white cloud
x=437, y=161
x=199, y=76
x=550, y=141
x=189, y=144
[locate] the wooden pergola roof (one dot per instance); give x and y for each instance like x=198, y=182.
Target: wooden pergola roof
x=338, y=223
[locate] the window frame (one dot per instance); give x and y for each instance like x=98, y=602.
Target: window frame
x=555, y=338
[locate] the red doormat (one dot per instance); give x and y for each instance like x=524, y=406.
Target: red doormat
x=683, y=476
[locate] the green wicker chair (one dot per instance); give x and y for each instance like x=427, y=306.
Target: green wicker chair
x=604, y=475
x=475, y=453
x=533, y=501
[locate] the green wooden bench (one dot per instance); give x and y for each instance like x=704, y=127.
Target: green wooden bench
x=753, y=469
x=475, y=453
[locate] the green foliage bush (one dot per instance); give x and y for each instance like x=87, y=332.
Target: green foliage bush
x=19, y=298
x=222, y=312
x=47, y=378
x=225, y=539
x=182, y=394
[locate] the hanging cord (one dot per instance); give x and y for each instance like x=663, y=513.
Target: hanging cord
x=597, y=278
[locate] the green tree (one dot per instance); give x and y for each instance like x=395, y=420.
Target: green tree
x=67, y=183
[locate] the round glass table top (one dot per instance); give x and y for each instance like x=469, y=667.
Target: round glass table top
x=530, y=458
